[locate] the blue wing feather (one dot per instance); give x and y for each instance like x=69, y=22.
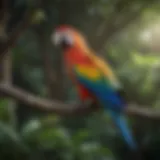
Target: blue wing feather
x=103, y=90
x=110, y=100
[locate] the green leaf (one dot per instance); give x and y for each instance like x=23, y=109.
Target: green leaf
x=4, y=116
x=144, y=60
x=54, y=137
x=38, y=16
x=31, y=128
x=9, y=137
x=80, y=136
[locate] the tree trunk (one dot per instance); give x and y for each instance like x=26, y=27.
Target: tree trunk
x=6, y=69
x=53, y=69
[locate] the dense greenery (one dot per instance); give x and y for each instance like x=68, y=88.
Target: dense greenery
x=113, y=29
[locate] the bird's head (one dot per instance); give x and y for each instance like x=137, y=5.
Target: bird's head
x=67, y=36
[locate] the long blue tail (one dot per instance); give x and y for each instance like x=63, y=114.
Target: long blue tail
x=124, y=128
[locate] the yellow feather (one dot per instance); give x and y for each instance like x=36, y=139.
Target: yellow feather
x=105, y=69
x=89, y=72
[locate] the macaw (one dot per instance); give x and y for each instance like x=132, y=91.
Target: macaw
x=93, y=78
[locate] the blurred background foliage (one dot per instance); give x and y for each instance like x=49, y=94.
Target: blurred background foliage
x=124, y=32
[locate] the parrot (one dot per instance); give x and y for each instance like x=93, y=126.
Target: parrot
x=92, y=76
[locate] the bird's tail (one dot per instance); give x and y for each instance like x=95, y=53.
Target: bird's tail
x=121, y=122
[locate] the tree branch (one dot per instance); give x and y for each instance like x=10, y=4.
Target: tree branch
x=68, y=109
x=41, y=103
x=105, y=29
x=109, y=28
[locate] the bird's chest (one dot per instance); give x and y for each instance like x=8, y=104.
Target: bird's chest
x=73, y=59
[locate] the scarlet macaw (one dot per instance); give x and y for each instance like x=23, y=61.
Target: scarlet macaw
x=92, y=77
